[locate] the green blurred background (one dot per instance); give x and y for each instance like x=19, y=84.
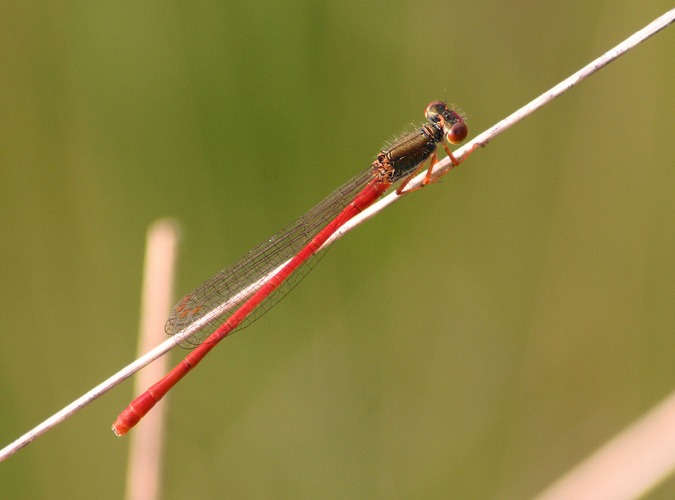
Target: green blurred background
x=476, y=340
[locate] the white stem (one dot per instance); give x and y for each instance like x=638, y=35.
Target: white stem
x=483, y=139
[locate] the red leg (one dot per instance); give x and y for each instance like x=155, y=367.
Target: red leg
x=432, y=162
x=455, y=162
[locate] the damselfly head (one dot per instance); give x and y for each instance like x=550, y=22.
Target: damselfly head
x=453, y=123
x=435, y=111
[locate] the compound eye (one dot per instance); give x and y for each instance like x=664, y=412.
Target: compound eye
x=435, y=110
x=457, y=133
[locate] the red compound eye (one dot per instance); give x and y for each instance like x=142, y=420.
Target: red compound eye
x=457, y=133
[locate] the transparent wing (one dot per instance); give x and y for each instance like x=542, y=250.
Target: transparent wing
x=200, y=312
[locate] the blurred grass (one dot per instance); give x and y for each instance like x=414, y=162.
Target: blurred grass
x=476, y=340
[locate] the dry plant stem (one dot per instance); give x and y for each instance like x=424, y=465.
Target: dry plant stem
x=442, y=166
x=483, y=139
x=145, y=449
x=629, y=465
